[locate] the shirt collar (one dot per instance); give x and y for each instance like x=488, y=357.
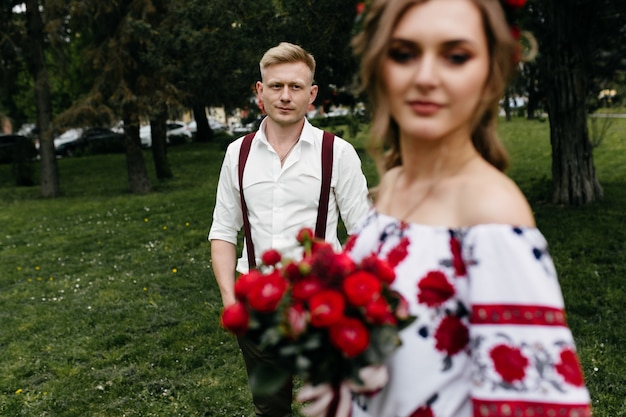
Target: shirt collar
x=307, y=134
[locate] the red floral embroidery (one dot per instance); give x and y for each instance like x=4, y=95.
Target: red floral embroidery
x=569, y=368
x=509, y=362
x=452, y=335
x=457, y=259
x=424, y=411
x=397, y=254
x=434, y=289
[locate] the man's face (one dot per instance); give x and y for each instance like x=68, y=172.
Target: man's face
x=287, y=92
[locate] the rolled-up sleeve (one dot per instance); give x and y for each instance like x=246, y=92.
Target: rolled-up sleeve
x=351, y=186
x=227, y=218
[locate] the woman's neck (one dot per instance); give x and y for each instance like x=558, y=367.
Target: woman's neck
x=434, y=160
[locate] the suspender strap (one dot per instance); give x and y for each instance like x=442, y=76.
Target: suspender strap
x=327, y=171
x=243, y=157
x=322, y=209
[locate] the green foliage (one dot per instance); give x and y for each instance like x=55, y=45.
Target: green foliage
x=109, y=306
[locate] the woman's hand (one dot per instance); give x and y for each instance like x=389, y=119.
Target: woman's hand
x=324, y=398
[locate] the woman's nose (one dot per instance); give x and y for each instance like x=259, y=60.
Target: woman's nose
x=426, y=72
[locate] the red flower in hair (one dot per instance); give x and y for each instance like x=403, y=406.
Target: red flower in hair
x=516, y=4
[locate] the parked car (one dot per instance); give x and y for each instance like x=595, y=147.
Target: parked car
x=177, y=132
x=16, y=148
x=95, y=140
x=214, y=124
x=68, y=136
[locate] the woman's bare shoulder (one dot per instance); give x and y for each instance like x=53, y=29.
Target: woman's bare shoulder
x=490, y=197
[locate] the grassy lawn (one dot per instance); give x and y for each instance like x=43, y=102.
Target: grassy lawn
x=108, y=306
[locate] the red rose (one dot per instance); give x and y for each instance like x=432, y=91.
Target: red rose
x=457, y=258
x=434, y=289
x=292, y=272
x=350, y=336
x=378, y=312
x=305, y=235
x=509, y=362
x=516, y=4
x=304, y=288
x=245, y=283
x=360, y=8
x=398, y=253
x=424, y=411
x=271, y=257
x=569, y=368
x=452, y=335
x=516, y=32
x=235, y=318
x=321, y=247
x=380, y=268
x=331, y=266
x=296, y=320
x=361, y=287
x=326, y=308
x=267, y=293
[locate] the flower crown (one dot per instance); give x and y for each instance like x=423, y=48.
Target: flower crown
x=527, y=44
x=511, y=7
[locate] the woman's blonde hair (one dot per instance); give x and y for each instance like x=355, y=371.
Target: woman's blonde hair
x=287, y=53
x=372, y=44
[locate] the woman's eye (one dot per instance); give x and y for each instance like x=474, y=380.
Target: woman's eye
x=458, y=58
x=401, y=56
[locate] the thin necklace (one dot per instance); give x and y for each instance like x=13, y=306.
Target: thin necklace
x=282, y=158
x=430, y=189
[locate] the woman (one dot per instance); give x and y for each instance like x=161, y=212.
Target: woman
x=490, y=338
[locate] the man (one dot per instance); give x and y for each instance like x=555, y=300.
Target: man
x=281, y=186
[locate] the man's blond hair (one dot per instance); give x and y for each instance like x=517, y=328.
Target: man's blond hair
x=287, y=53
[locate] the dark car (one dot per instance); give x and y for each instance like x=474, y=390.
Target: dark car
x=95, y=140
x=16, y=148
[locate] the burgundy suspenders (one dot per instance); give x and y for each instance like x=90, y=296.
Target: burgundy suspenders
x=322, y=209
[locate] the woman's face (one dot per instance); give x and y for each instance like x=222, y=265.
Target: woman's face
x=436, y=69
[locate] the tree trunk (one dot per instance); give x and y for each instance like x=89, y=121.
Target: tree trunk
x=506, y=104
x=37, y=67
x=574, y=180
x=158, y=129
x=533, y=93
x=203, y=130
x=135, y=165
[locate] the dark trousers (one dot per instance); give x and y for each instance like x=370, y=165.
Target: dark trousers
x=275, y=405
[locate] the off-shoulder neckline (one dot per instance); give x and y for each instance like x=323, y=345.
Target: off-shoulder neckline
x=486, y=226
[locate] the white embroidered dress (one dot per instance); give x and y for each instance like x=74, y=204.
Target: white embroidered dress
x=490, y=338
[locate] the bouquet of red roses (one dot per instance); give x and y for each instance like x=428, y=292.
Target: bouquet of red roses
x=326, y=316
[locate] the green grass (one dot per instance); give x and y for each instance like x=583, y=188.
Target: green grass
x=108, y=306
